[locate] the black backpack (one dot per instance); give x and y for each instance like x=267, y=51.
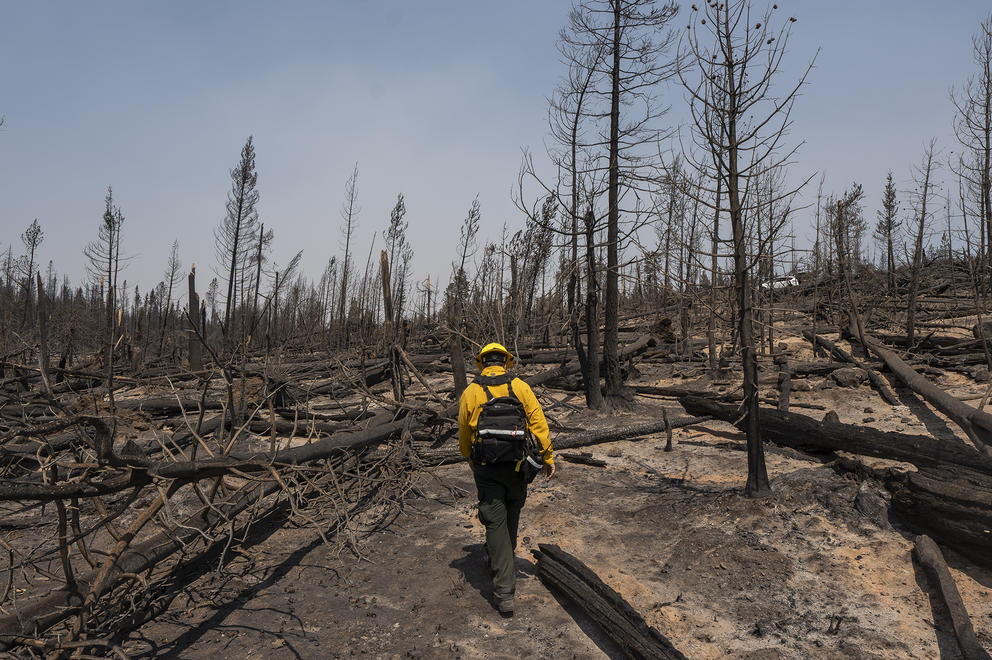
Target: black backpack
x=501, y=433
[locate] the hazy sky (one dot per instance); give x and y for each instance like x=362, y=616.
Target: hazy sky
x=434, y=99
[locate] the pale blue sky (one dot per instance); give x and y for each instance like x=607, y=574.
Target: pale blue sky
x=432, y=99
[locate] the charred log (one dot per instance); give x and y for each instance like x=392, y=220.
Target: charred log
x=929, y=556
x=563, y=573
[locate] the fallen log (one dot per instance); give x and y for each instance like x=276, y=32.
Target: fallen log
x=676, y=392
x=296, y=429
x=583, y=458
x=623, y=432
x=876, y=378
x=167, y=405
x=948, y=497
x=958, y=361
x=563, y=573
x=935, y=340
x=975, y=423
x=816, y=368
x=372, y=374
x=952, y=504
x=929, y=556
x=541, y=357
x=807, y=434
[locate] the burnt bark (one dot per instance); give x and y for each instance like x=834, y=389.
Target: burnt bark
x=563, y=573
x=977, y=424
x=876, y=378
x=929, y=556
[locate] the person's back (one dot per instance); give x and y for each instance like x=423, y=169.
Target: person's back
x=497, y=453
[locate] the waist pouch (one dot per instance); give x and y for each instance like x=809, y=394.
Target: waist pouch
x=530, y=467
x=486, y=451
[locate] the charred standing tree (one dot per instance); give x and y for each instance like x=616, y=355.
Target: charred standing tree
x=233, y=235
x=349, y=213
x=173, y=276
x=634, y=39
x=104, y=263
x=399, y=251
x=193, y=318
x=728, y=63
x=925, y=184
x=714, y=271
x=32, y=238
x=888, y=225
x=458, y=292
x=590, y=373
x=634, y=66
x=571, y=110
x=973, y=129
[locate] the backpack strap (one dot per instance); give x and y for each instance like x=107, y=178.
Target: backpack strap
x=509, y=388
x=485, y=382
x=503, y=379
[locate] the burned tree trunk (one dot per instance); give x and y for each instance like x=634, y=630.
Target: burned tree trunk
x=930, y=557
x=807, y=434
x=193, y=315
x=975, y=423
x=876, y=378
x=948, y=497
x=567, y=575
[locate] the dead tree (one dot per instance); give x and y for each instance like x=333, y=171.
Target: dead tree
x=172, y=276
x=973, y=130
x=921, y=198
x=886, y=228
x=714, y=270
x=740, y=122
x=458, y=292
x=389, y=328
x=233, y=242
x=568, y=115
x=349, y=213
x=32, y=238
x=399, y=255
x=591, y=374
x=194, y=331
x=632, y=35
x=104, y=263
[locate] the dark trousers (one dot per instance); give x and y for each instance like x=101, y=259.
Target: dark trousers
x=502, y=493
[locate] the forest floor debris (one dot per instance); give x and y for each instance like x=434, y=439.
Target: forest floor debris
x=816, y=571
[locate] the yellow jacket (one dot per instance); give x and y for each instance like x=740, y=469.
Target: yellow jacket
x=474, y=396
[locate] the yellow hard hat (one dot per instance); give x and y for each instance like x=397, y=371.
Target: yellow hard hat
x=493, y=348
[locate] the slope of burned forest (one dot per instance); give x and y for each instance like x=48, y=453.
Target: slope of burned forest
x=823, y=569
x=768, y=398
x=333, y=519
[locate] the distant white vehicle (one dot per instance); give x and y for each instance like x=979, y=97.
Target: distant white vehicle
x=783, y=282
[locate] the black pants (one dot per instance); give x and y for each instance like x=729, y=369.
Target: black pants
x=502, y=493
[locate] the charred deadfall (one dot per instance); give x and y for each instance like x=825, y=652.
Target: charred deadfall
x=144, y=435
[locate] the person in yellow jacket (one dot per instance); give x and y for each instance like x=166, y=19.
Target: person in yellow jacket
x=501, y=485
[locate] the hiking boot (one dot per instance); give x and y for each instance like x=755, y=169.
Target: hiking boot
x=505, y=605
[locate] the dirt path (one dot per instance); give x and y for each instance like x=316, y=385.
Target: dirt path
x=817, y=571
